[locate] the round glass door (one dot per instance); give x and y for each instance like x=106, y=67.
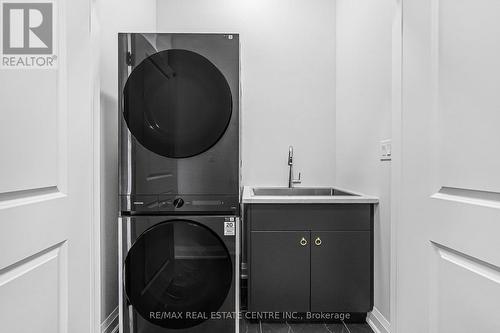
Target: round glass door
x=177, y=103
x=175, y=269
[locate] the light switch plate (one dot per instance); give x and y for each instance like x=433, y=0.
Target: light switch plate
x=386, y=150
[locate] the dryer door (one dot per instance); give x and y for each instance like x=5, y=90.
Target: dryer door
x=177, y=103
x=176, y=269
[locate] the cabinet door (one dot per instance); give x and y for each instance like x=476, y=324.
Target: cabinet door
x=279, y=271
x=341, y=271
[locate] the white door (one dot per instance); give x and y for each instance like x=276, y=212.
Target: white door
x=46, y=178
x=448, y=230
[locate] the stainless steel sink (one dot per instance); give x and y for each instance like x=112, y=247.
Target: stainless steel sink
x=299, y=191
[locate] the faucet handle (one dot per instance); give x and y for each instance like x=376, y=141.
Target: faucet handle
x=297, y=181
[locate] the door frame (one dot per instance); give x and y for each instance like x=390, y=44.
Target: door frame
x=95, y=246
x=397, y=149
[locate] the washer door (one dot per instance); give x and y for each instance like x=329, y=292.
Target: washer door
x=177, y=103
x=177, y=267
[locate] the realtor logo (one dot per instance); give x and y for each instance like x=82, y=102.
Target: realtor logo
x=28, y=34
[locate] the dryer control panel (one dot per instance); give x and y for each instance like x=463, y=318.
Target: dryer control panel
x=138, y=204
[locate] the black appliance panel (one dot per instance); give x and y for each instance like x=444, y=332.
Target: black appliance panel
x=213, y=170
x=173, y=204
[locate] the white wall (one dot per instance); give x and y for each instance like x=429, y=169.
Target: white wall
x=114, y=16
x=288, y=80
x=363, y=111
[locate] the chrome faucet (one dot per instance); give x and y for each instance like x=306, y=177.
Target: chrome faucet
x=291, y=181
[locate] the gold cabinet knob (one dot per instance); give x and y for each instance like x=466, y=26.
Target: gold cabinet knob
x=303, y=241
x=317, y=241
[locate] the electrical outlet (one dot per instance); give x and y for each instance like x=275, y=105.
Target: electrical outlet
x=385, y=150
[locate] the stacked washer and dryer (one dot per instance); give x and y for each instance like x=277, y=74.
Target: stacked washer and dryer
x=179, y=182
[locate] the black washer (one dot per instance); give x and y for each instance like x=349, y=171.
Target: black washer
x=177, y=266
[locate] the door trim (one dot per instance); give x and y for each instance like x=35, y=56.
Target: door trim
x=396, y=167
x=95, y=240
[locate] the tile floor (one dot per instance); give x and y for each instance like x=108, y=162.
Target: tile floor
x=260, y=327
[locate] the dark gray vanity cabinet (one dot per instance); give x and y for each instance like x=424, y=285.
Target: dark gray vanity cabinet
x=309, y=257
x=280, y=271
x=340, y=271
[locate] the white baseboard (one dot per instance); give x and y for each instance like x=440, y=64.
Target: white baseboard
x=110, y=324
x=377, y=322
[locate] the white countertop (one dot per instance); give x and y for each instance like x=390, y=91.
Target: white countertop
x=249, y=197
